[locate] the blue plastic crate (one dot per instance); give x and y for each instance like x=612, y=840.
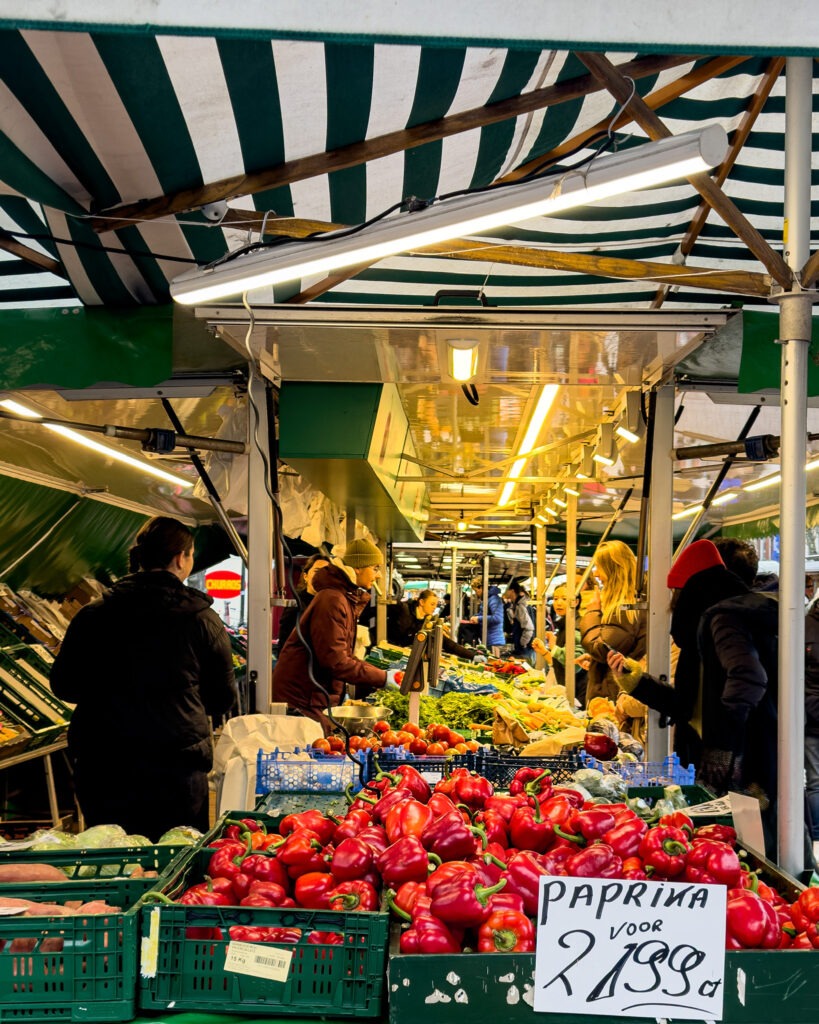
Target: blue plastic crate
x=278, y=773
x=646, y=773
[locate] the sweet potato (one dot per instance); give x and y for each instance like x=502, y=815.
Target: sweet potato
x=24, y=872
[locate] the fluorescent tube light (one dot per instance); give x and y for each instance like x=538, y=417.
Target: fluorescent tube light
x=463, y=359
x=604, y=460
x=692, y=510
x=813, y=464
x=560, y=502
x=626, y=171
x=627, y=434
x=95, y=446
x=570, y=490
x=539, y=414
x=768, y=481
x=551, y=511
x=726, y=496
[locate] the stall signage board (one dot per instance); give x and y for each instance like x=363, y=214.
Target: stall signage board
x=222, y=584
x=630, y=948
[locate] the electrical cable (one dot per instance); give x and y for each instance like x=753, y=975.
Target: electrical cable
x=252, y=370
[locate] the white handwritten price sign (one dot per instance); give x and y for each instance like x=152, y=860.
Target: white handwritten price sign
x=633, y=948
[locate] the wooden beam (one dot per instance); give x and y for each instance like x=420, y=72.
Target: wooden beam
x=372, y=149
x=601, y=67
x=774, y=69
x=739, y=282
x=36, y=259
x=810, y=271
x=655, y=100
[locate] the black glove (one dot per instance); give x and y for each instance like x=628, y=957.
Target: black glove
x=719, y=769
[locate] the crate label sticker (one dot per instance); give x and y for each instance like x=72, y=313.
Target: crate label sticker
x=150, y=946
x=631, y=948
x=262, y=961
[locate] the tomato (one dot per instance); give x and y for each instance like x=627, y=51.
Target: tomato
x=336, y=742
x=321, y=745
x=404, y=737
x=381, y=726
x=411, y=727
x=437, y=732
x=460, y=748
x=436, y=749
x=472, y=746
x=390, y=739
x=355, y=742
x=453, y=738
x=418, y=746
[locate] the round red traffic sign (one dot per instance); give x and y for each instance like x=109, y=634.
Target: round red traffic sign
x=222, y=584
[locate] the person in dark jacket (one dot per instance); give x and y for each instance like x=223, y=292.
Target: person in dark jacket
x=519, y=619
x=147, y=666
x=303, y=595
x=494, y=614
x=313, y=669
x=698, y=580
x=407, y=617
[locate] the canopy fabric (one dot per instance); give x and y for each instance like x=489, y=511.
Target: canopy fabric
x=94, y=120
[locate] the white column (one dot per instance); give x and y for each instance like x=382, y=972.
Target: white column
x=540, y=593
x=260, y=552
x=795, y=333
x=660, y=547
x=571, y=583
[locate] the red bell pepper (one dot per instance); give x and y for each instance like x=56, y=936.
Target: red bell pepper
x=523, y=874
x=554, y=860
x=625, y=838
x=679, y=819
x=271, y=895
x=536, y=782
x=364, y=801
x=529, y=830
x=312, y=888
x=446, y=785
x=600, y=745
x=492, y=861
x=388, y=802
x=227, y=861
x=751, y=922
x=506, y=901
x=410, y=778
x=266, y=868
x=575, y=799
x=462, y=903
x=314, y=821
x=713, y=863
x=721, y=833
x=408, y=818
x=558, y=808
x=595, y=861
x=473, y=790
x=494, y=827
x=353, y=895
x=253, y=933
x=404, y=899
x=351, y=824
x=805, y=910
x=405, y=861
x=203, y=895
x=299, y=847
x=326, y=938
x=449, y=837
x=451, y=870
x=664, y=849
x=506, y=931
x=352, y=858
x=427, y=935
x=633, y=868
x=375, y=837
x=238, y=828
x=440, y=803
x=592, y=823
x=505, y=806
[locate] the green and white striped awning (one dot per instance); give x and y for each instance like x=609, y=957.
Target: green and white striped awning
x=93, y=123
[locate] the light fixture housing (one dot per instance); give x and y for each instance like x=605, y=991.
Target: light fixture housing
x=626, y=171
x=539, y=414
x=462, y=357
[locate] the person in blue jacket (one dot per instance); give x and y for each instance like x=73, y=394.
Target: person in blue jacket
x=494, y=613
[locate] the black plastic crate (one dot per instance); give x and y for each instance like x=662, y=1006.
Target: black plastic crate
x=500, y=768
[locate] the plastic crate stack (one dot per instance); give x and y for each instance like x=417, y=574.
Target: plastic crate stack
x=645, y=773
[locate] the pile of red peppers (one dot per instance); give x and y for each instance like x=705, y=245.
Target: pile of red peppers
x=461, y=865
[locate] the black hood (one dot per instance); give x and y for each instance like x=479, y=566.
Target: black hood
x=702, y=590
x=156, y=592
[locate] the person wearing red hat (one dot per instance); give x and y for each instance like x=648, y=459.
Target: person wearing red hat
x=698, y=579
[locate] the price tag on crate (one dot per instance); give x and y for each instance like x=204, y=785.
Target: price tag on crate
x=619, y=947
x=261, y=961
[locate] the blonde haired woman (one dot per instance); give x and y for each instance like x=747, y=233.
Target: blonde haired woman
x=609, y=623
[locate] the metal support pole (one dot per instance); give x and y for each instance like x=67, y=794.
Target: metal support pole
x=661, y=543
x=260, y=548
x=381, y=600
x=485, y=616
x=795, y=334
x=454, y=597
x=540, y=593
x=571, y=585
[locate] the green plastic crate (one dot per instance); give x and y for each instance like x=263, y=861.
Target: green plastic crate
x=188, y=973
x=72, y=968
x=110, y=862
x=277, y=805
x=44, y=726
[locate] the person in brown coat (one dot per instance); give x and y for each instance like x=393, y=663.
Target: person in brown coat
x=317, y=662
